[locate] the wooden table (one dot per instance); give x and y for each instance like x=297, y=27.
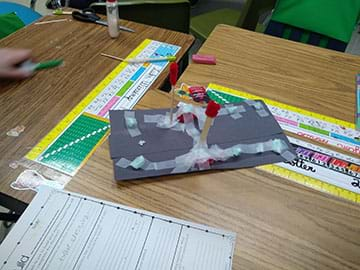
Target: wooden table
x=279, y=224
x=41, y=102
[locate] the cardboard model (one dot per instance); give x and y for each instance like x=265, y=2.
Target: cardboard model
x=143, y=143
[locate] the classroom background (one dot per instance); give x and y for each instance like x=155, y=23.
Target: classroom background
x=201, y=7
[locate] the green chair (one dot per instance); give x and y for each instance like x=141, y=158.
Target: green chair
x=202, y=25
x=323, y=23
x=169, y=14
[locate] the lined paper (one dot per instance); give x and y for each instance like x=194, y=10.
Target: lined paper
x=63, y=230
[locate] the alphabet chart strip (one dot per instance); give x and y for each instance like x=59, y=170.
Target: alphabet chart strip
x=314, y=126
x=321, y=169
x=67, y=147
x=63, y=230
x=316, y=167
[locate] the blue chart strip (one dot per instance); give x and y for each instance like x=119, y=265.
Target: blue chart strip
x=163, y=51
x=344, y=138
x=138, y=74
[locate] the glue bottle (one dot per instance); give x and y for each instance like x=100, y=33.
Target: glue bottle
x=112, y=14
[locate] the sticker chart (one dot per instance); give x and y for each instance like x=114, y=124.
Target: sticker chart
x=317, y=167
x=314, y=126
x=67, y=147
x=61, y=230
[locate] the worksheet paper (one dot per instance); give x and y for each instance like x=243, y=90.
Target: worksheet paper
x=64, y=230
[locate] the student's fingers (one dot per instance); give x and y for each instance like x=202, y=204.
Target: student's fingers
x=16, y=56
x=15, y=74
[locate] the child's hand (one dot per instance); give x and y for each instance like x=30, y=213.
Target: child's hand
x=9, y=63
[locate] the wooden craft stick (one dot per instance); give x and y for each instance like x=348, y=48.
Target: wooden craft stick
x=52, y=21
x=211, y=112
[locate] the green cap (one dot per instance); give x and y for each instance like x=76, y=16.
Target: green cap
x=171, y=58
x=49, y=64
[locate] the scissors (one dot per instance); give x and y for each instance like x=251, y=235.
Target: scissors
x=89, y=15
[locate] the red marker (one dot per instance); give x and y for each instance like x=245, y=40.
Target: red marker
x=211, y=112
x=174, y=69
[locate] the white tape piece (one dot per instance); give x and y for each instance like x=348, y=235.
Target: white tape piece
x=250, y=102
x=165, y=122
x=288, y=155
x=142, y=163
x=233, y=111
x=131, y=123
x=141, y=142
x=262, y=113
x=153, y=118
x=236, y=116
x=123, y=163
x=200, y=155
x=162, y=165
x=223, y=111
x=204, y=166
x=190, y=128
x=31, y=180
x=258, y=106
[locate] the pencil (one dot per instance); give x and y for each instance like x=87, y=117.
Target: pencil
x=141, y=60
x=52, y=21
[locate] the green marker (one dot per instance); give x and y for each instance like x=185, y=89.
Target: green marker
x=48, y=64
x=31, y=66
